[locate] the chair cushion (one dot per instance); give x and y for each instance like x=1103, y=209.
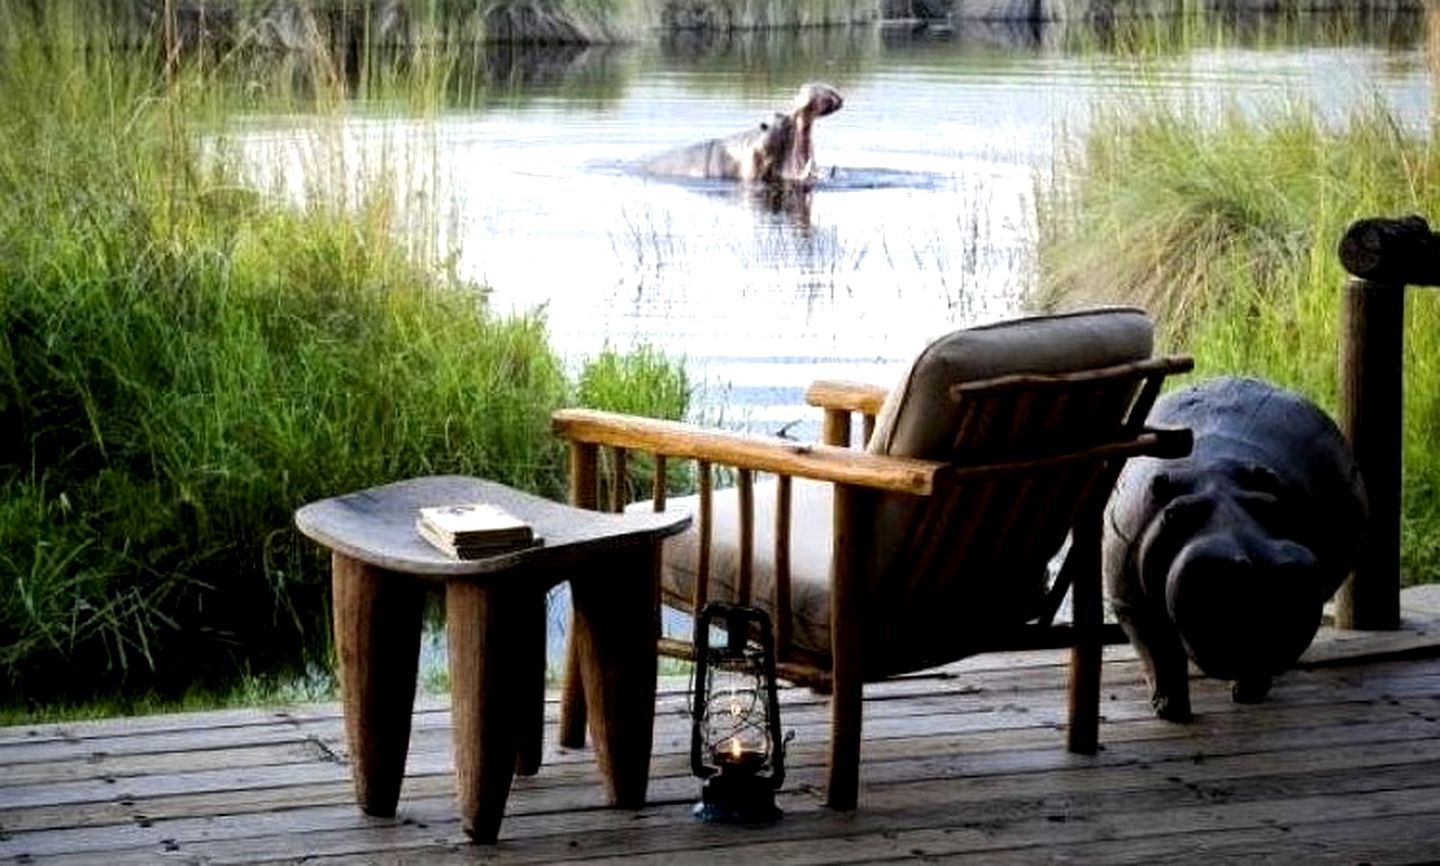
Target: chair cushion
x=810, y=532
x=917, y=420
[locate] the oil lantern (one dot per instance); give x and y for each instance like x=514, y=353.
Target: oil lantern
x=735, y=742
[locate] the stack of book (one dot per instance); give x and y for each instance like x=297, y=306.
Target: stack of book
x=473, y=530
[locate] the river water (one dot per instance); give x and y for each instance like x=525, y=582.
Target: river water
x=923, y=220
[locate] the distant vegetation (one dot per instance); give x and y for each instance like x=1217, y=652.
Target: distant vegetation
x=1225, y=225
x=185, y=360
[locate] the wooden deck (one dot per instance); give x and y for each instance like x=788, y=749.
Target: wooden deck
x=1342, y=764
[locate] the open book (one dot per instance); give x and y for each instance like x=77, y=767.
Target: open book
x=473, y=530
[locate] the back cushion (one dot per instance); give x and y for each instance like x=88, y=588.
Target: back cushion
x=918, y=419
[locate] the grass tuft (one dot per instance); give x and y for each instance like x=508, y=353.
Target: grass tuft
x=1225, y=227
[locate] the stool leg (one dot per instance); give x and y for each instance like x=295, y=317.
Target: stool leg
x=572, y=693
x=531, y=704
x=615, y=632
x=377, y=642
x=486, y=628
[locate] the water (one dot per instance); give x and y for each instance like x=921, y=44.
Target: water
x=923, y=223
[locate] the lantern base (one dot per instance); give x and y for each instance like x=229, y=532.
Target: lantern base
x=729, y=798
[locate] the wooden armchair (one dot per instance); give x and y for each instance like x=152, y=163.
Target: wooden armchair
x=933, y=542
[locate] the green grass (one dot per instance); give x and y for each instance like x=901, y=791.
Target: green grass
x=1226, y=227
x=184, y=361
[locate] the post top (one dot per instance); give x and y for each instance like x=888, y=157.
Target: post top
x=1395, y=252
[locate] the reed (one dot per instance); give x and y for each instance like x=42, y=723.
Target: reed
x=1224, y=224
x=184, y=360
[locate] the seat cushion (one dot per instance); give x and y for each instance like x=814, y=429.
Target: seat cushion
x=810, y=532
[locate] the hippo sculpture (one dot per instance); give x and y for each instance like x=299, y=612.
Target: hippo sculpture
x=1227, y=556
x=779, y=150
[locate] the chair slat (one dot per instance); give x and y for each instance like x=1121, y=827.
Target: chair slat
x=618, y=481
x=584, y=475
x=658, y=485
x=783, y=612
x=701, y=589
x=835, y=428
x=745, y=490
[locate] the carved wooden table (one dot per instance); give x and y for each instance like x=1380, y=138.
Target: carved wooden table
x=495, y=623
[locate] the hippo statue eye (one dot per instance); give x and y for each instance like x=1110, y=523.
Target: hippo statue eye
x=1258, y=478
x=1165, y=487
x=764, y=127
x=1265, y=509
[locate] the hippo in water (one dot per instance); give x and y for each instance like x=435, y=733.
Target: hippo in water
x=1227, y=556
x=779, y=150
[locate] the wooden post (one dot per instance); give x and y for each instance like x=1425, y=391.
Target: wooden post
x=1383, y=256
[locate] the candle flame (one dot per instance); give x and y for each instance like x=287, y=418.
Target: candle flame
x=735, y=748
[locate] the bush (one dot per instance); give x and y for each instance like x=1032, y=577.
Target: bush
x=1227, y=230
x=183, y=362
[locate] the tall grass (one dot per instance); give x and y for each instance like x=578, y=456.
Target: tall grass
x=184, y=361
x=1226, y=227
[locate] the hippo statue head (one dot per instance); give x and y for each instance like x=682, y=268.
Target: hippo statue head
x=1244, y=594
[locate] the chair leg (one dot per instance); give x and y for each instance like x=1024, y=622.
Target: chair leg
x=846, y=609
x=1083, y=563
x=846, y=702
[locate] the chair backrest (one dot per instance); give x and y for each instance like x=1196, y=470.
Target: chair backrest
x=952, y=571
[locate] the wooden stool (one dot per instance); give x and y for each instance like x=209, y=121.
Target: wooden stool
x=495, y=623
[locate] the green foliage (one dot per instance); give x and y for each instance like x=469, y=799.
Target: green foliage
x=183, y=362
x=1226, y=229
x=645, y=382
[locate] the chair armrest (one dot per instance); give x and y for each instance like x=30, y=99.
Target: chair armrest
x=747, y=451
x=849, y=396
